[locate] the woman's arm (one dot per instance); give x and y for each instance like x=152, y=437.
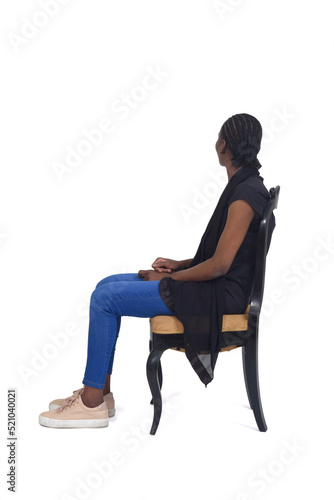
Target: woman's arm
x=185, y=263
x=239, y=217
x=168, y=265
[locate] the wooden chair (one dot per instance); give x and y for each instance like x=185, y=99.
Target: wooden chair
x=238, y=330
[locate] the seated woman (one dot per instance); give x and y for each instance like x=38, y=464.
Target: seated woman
x=197, y=291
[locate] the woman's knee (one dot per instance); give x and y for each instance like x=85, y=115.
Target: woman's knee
x=101, y=299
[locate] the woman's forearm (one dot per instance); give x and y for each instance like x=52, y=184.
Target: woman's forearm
x=185, y=263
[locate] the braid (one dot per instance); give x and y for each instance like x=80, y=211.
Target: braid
x=243, y=134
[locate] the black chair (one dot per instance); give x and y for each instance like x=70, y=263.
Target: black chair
x=238, y=330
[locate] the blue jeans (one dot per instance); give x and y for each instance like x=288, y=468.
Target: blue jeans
x=115, y=296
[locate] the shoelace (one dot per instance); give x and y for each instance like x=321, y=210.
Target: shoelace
x=78, y=391
x=70, y=401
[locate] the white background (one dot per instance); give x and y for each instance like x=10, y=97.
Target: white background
x=124, y=205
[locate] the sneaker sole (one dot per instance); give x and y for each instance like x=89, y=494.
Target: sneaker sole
x=111, y=412
x=73, y=424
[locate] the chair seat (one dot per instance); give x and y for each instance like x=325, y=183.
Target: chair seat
x=171, y=325
x=165, y=325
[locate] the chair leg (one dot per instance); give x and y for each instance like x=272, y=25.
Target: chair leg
x=152, y=369
x=251, y=374
x=245, y=377
x=160, y=375
x=159, y=372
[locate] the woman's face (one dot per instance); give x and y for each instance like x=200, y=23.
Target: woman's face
x=219, y=146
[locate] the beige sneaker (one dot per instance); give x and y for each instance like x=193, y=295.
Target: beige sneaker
x=109, y=399
x=73, y=414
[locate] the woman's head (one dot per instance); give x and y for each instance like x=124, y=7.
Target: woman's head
x=242, y=134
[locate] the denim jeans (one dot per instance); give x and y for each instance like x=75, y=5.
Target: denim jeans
x=115, y=296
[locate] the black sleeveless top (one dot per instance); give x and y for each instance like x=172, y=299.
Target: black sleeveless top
x=200, y=305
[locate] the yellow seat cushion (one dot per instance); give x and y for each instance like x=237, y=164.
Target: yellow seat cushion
x=170, y=324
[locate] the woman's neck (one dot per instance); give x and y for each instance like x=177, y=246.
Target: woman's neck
x=231, y=170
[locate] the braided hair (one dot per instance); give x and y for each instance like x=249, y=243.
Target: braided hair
x=243, y=134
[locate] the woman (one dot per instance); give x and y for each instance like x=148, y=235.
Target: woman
x=197, y=291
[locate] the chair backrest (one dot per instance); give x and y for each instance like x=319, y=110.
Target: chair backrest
x=256, y=296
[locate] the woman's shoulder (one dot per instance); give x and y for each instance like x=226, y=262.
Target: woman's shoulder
x=253, y=191
x=254, y=181
x=253, y=185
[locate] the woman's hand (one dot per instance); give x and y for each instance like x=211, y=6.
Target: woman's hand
x=163, y=265
x=150, y=275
